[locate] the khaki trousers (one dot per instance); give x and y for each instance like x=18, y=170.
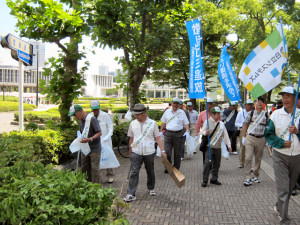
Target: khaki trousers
x=91, y=166
x=242, y=149
x=254, y=146
x=192, y=130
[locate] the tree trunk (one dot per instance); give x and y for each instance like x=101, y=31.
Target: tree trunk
x=136, y=79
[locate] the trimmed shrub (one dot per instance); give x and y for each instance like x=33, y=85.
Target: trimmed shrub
x=155, y=114
x=47, y=146
x=9, y=98
x=39, y=116
x=7, y=106
x=121, y=109
x=33, y=194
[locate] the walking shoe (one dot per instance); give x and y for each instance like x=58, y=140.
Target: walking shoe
x=216, y=182
x=294, y=192
x=247, y=182
x=204, y=184
x=182, y=159
x=241, y=166
x=235, y=153
x=152, y=193
x=110, y=180
x=256, y=180
x=129, y=198
x=166, y=171
x=278, y=214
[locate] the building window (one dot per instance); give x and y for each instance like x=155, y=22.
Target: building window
x=172, y=94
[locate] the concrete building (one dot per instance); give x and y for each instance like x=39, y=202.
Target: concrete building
x=96, y=85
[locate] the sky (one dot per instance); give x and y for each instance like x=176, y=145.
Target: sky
x=102, y=57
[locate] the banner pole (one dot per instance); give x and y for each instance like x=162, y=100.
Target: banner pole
x=295, y=106
x=285, y=51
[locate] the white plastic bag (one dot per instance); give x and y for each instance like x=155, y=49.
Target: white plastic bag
x=75, y=146
x=191, y=145
x=108, y=158
x=128, y=115
x=225, y=153
x=158, y=150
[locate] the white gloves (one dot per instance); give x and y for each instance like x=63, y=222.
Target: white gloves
x=187, y=134
x=244, y=141
x=197, y=139
x=106, y=138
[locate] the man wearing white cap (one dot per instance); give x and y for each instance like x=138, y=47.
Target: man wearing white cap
x=229, y=117
x=239, y=122
x=193, y=117
x=107, y=129
x=173, y=120
x=286, y=153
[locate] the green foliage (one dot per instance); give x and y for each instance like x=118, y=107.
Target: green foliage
x=47, y=146
x=39, y=116
x=7, y=106
x=155, y=114
x=31, y=126
x=122, y=109
x=33, y=194
x=113, y=91
x=9, y=98
x=120, y=130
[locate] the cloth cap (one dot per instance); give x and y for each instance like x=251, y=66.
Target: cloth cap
x=95, y=104
x=215, y=109
x=74, y=109
x=249, y=101
x=210, y=100
x=233, y=103
x=138, y=109
x=189, y=104
x=176, y=99
x=289, y=90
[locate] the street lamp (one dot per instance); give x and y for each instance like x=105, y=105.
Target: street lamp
x=3, y=89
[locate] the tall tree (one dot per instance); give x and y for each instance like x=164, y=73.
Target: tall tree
x=53, y=21
x=142, y=28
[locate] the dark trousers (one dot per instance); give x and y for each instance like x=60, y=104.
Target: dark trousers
x=136, y=164
x=232, y=137
x=183, y=146
x=214, y=165
x=173, y=140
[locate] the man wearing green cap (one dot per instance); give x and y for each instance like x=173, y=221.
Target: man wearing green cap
x=107, y=128
x=286, y=151
x=218, y=133
x=91, y=132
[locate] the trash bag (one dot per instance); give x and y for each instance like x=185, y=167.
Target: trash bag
x=158, y=150
x=128, y=115
x=225, y=153
x=108, y=158
x=191, y=146
x=75, y=146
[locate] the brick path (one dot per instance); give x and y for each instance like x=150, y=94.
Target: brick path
x=230, y=203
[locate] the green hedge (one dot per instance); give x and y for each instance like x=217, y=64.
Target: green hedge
x=47, y=146
x=39, y=116
x=33, y=194
x=7, y=106
x=155, y=114
x=121, y=109
x=9, y=98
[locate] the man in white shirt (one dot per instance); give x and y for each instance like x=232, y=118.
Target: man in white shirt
x=219, y=134
x=143, y=133
x=239, y=122
x=193, y=117
x=107, y=129
x=173, y=120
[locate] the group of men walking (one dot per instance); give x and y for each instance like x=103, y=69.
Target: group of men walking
x=251, y=126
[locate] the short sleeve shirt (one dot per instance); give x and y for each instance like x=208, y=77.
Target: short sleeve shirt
x=95, y=145
x=174, y=120
x=193, y=116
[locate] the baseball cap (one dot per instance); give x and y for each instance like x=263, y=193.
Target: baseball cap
x=233, y=103
x=95, y=104
x=289, y=90
x=249, y=101
x=210, y=100
x=215, y=109
x=189, y=104
x=176, y=99
x=74, y=109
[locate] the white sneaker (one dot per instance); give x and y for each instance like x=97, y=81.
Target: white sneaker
x=256, y=180
x=152, y=193
x=247, y=182
x=110, y=180
x=235, y=153
x=129, y=198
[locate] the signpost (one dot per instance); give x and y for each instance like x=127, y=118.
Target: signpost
x=22, y=52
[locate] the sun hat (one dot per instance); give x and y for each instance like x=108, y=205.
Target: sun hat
x=189, y=104
x=95, y=104
x=138, y=109
x=176, y=99
x=215, y=110
x=289, y=90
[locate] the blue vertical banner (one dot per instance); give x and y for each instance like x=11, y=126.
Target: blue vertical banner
x=227, y=76
x=299, y=44
x=196, y=76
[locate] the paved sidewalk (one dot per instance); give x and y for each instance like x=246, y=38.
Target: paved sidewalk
x=230, y=203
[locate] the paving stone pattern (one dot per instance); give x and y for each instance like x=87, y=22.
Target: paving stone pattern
x=230, y=203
